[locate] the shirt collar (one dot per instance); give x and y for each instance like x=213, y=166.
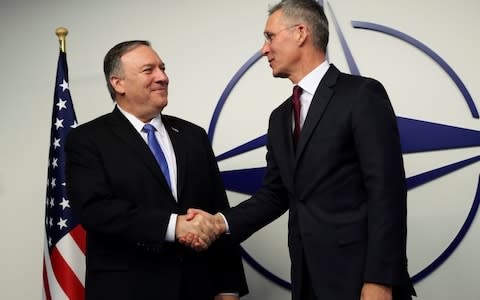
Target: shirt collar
x=156, y=121
x=310, y=82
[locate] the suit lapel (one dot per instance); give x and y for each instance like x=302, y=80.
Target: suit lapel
x=280, y=137
x=320, y=100
x=287, y=134
x=122, y=128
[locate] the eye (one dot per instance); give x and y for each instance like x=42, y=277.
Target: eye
x=147, y=70
x=268, y=36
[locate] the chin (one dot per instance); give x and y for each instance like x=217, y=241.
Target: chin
x=163, y=104
x=280, y=75
x=160, y=104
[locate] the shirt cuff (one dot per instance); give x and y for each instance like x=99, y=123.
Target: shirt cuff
x=172, y=223
x=227, y=229
x=229, y=294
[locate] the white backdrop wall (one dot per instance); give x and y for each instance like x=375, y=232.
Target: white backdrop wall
x=203, y=44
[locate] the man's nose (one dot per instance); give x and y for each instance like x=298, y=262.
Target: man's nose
x=265, y=48
x=161, y=75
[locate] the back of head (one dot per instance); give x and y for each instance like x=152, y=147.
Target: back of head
x=112, y=64
x=310, y=13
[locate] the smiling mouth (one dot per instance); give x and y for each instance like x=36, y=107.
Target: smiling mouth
x=159, y=90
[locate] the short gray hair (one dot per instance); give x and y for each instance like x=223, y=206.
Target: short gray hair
x=309, y=12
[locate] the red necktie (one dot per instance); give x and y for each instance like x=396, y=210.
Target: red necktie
x=297, y=91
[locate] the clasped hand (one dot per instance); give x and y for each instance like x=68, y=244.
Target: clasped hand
x=199, y=229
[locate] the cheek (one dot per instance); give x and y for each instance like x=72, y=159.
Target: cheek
x=287, y=55
x=281, y=52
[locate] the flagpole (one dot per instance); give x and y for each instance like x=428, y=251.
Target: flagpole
x=61, y=33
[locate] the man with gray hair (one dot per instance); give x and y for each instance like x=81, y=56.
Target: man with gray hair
x=334, y=161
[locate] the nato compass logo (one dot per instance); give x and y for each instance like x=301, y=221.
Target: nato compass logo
x=418, y=137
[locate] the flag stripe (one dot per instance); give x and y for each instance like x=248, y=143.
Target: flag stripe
x=46, y=287
x=73, y=256
x=66, y=277
x=56, y=292
x=80, y=237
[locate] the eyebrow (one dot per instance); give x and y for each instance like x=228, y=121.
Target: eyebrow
x=162, y=65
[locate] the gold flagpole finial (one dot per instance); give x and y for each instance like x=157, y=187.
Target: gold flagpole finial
x=61, y=32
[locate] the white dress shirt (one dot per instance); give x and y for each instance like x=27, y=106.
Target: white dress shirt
x=309, y=85
x=167, y=148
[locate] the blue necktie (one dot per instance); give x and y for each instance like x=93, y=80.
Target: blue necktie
x=157, y=151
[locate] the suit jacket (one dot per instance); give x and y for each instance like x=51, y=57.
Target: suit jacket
x=120, y=196
x=344, y=186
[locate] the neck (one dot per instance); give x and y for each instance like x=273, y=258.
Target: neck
x=308, y=62
x=143, y=115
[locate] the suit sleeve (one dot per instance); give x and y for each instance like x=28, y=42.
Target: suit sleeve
x=378, y=148
x=266, y=205
x=100, y=209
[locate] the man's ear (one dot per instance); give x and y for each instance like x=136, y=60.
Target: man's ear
x=117, y=84
x=302, y=33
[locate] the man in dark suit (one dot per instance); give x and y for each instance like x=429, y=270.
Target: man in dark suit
x=342, y=178
x=132, y=211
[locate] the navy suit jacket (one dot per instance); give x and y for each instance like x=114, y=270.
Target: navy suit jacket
x=120, y=196
x=344, y=186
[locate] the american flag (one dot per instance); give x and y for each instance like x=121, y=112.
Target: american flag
x=64, y=250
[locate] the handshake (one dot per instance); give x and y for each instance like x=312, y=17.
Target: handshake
x=199, y=229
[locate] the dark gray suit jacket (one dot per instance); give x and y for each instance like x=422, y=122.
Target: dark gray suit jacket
x=344, y=186
x=118, y=192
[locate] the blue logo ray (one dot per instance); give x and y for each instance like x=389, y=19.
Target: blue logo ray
x=420, y=136
x=245, y=181
x=248, y=146
x=352, y=65
x=417, y=180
